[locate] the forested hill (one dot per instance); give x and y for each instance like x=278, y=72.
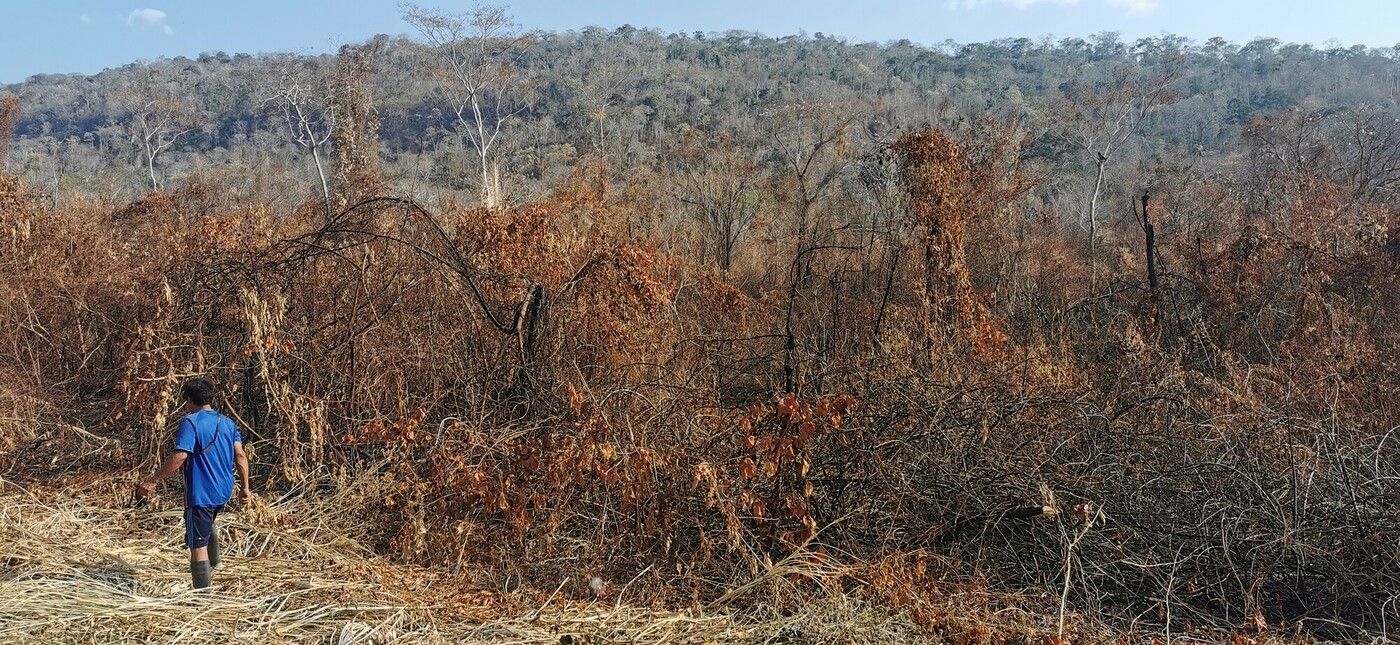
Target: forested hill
x=627, y=92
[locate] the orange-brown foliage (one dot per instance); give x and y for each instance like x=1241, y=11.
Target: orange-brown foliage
x=545, y=392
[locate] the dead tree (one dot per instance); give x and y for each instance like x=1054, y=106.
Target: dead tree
x=1151, y=238
x=156, y=120
x=1150, y=242
x=474, y=57
x=10, y=112
x=309, y=111
x=1104, y=116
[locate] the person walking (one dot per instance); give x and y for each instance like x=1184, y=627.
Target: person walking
x=208, y=448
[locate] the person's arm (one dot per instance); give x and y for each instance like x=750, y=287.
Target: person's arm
x=184, y=445
x=240, y=461
x=172, y=463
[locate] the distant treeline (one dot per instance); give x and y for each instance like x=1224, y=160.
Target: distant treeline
x=630, y=92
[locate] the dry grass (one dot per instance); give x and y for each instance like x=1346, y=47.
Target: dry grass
x=79, y=570
x=76, y=566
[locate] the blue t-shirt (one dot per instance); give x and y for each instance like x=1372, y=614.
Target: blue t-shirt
x=208, y=437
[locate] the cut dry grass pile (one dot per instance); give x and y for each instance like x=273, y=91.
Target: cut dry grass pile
x=78, y=570
x=76, y=566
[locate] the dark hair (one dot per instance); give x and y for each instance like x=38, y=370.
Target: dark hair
x=198, y=391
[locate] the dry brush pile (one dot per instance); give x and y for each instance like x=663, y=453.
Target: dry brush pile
x=933, y=418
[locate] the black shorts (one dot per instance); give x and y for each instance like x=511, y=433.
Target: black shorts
x=199, y=525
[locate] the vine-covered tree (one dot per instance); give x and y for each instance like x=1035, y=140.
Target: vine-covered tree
x=10, y=112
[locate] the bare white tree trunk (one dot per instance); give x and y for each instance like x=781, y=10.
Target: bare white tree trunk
x=1093, y=224
x=475, y=56
x=488, y=194
x=151, y=166
x=309, y=106
x=321, y=173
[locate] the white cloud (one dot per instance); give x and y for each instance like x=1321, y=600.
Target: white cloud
x=1019, y=4
x=150, y=18
x=1132, y=6
x=1135, y=6
x=85, y=18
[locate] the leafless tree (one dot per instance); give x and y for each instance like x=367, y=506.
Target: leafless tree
x=306, y=101
x=474, y=56
x=603, y=80
x=156, y=120
x=810, y=140
x=1370, y=152
x=718, y=183
x=1104, y=116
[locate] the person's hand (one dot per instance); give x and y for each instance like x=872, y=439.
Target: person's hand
x=246, y=497
x=145, y=489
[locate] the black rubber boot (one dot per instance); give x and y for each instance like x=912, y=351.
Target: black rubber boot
x=214, y=550
x=199, y=573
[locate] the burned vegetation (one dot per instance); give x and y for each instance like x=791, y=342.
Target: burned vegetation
x=847, y=361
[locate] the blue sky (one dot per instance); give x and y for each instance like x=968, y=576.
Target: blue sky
x=62, y=36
